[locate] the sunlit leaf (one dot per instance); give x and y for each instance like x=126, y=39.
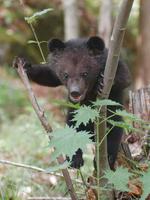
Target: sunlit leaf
x=32, y=42
x=67, y=140
x=119, y=178
x=84, y=114
x=37, y=15
x=145, y=179
x=105, y=102
x=128, y=115
x=123, y=124
x=65, y=104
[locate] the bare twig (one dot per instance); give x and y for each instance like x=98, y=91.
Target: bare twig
x=109, y=74
x=44, y=122
x=38, y=169
x=48, y=198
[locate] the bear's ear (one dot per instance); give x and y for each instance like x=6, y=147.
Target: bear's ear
x=95, y=44
x=55, y=45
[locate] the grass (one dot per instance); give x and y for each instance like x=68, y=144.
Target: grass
x=23, y=140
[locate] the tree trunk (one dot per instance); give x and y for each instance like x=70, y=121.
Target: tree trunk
x=143, y=72
x=105, y=21
x=71, y=22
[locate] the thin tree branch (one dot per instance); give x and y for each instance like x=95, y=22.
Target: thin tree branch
x=109, y=75
x=115, y=46
x=48, y=198
x=38, y=169
x=44, y=122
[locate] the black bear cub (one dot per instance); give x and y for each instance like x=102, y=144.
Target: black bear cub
x=78, y=64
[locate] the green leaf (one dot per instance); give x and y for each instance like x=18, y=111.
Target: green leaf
x=58, y=167
x=127, y=115
x=123, y=124
x=35, y=42
x=67, y=140
x=84, y=114
x=105, y=102
x=119, y=178
x=65, y=104
x=145, y=179
x=32, y=42
x=37, y=15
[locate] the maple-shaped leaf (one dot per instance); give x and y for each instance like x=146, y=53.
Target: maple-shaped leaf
x=84, y=114
x=145, y=179
x=119, y=178
x=105, y=102
x=67, y=141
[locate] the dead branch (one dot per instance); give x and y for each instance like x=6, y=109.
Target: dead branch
x=44, y=122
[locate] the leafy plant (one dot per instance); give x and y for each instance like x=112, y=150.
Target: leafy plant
x=74, y=140
x=37, y=15
x=67, y=140
x=32, y=19
x=119, y=178
x=84, y=114
x=12, y=99
x=145, y=179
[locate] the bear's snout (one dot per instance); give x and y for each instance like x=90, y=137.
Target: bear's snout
x=75, y=94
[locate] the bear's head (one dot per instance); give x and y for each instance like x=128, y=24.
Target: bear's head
x=77, y=64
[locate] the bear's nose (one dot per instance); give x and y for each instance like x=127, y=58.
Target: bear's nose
x=75, y=94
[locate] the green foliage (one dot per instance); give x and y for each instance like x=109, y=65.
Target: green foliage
x=67, y=140
x=12, y=99
x=84, y=114
x=65, y=104
x=7, y=191
x=122, y=124
x=37, y=15
x=145, y=179
x=105, y=102
x=35, y=42
x=119, y=178
x=128, y=115
x=58, y=167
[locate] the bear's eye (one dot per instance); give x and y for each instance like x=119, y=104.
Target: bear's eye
x=66, y=76
x=84, y=74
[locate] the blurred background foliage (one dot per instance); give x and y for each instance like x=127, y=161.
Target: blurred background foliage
x=21, y=136
x=15, y=32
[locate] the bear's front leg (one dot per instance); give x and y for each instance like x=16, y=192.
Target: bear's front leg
x=77, y=159
x=39, y=73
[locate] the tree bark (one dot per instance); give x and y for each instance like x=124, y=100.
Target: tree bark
x=109, y=75
x=143, y=72
x=105, y=21
x=71, y=20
